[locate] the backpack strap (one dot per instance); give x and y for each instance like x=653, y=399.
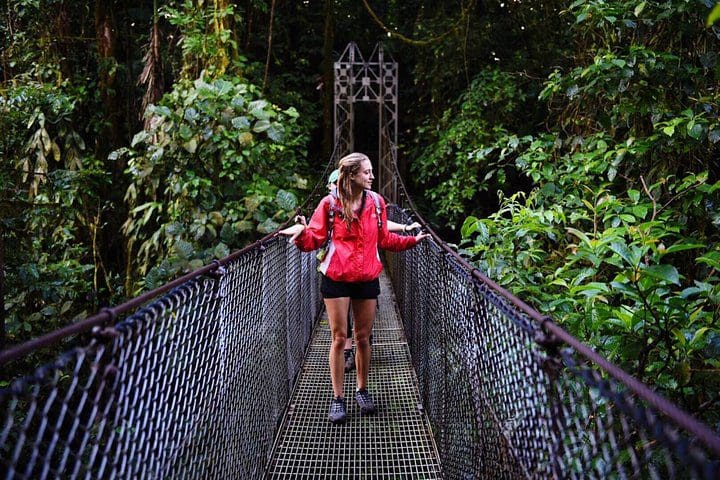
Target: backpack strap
x=378, y=209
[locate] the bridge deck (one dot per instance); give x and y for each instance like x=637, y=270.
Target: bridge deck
x=395, y=443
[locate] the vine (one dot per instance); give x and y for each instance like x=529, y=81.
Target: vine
x=421, y=43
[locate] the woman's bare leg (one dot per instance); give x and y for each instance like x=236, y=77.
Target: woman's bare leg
x=337, y=310
x=364, y=316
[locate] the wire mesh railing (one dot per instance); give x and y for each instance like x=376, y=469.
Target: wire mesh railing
x=191, y=381
x=512, y=395
x=190, y=385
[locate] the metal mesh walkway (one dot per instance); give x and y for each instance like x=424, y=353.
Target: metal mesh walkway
x=395, y=443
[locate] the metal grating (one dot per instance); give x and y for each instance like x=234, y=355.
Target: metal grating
x=395, y=443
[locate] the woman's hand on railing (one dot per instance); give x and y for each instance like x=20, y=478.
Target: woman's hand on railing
x=421, y=236
x=295, y=230
x=412, y=226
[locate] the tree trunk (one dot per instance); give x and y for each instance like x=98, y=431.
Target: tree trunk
x=269, y=46
x=3, y=314
x=111, y=132
x=105, y=33
x=152, y=74
x=328, y=79
x=62, y=27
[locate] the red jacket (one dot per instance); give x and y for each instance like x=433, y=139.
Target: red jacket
x=352, y=255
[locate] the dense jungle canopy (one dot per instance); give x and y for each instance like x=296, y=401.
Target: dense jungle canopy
x=570, y=149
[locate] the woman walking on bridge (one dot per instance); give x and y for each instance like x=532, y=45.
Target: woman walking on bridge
x=355, y=222
x=393, y=227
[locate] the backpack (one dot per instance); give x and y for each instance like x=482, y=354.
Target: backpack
x=334, y=208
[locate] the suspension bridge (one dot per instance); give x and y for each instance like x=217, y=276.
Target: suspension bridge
x=223, y=373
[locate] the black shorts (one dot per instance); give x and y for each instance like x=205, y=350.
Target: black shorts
x=360, y=290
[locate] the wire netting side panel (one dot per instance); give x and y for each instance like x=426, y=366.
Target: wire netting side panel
x=240, y=449
x=102, y=411
x=295, y=326
x=168, y=384
x=459, y=428
x=481, y=382
x=191, y=386
x=430, y=321
x=187, y=353
x=511, y=389
x=303, y=307
x=272, y=392
x=404, y=268
x=605, y=431
x=477, y=363
x=37, y=413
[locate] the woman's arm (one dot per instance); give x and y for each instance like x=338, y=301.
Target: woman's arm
x=392, y=241
x=401, y=227
x=309, y=237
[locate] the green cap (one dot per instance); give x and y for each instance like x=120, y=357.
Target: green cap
x=333, y=178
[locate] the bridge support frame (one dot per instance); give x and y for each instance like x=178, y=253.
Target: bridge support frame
x=376, y=81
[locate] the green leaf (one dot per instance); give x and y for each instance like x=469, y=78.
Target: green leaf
x=469, y=226
x=269, y=225
x=65, y=307
x=698, y=335
x=191, y=145
x=639, y=8
x=191, y=115
x=679, y=247
x=195, y=264
x=695, y=131
x=714, y=16
x=276, y=132
x=223, y=87
x=243, y=226
x=679, y=336
x=257, y=109
x=632, y=258
x=183, y=249
x=163, y=111
x=592, y=289
x=117, y=154
x=261, y=126
x=579, y=234
x=286, y=200
x=221, y=251
x=241, y=123
x=139, y=137
x=664, y=272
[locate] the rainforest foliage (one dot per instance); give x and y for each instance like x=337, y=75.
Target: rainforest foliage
x=569, y=148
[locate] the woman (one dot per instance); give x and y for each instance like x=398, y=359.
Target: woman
x=351, y=268
x=393, y=227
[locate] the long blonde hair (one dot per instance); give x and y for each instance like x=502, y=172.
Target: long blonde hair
x=349, y=165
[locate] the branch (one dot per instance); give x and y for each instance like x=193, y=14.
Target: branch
x=270, y=34
x=650, y=196
x=419, y=43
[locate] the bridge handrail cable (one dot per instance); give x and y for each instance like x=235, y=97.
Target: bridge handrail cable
x=698, y=429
